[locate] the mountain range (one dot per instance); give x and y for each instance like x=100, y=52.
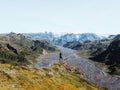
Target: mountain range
x=17, y=58
x=19, y=51
x=61, y=39
x=67, y=37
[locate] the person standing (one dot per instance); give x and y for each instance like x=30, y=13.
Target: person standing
x=60, y=56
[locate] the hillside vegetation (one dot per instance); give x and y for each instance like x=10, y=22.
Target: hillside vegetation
x=16, y=49
x=60, y=76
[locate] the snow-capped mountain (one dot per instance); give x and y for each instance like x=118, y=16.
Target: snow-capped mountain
x=66, y=37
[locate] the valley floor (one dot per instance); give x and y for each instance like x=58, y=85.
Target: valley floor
x=91, y=72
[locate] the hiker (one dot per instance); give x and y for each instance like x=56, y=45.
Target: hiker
x=60, y=56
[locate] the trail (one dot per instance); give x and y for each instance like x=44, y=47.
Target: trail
x=91, y=71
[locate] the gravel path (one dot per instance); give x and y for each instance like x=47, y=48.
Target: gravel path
x=91, y=71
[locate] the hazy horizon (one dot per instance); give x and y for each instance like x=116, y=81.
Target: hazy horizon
x=64, y=16
x=63, y=33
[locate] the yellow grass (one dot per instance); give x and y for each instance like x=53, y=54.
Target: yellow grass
x=29, y=78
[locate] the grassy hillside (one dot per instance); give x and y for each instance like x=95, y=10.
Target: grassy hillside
x=60, y=76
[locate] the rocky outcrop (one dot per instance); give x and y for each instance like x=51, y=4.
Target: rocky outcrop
x=12, y=48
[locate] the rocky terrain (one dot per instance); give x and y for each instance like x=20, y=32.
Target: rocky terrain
x=90, y=71
x=18, y=54
x=111, y=56
x=104, y=51
x=17, y=49
x=89, y=48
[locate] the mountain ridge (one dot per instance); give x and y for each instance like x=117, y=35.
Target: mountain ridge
x=17, y=49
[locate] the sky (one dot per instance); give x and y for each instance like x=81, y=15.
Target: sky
x=60, y=16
